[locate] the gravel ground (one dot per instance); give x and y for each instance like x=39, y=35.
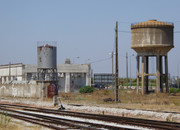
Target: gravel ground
x=128, y=113
x=168, y=116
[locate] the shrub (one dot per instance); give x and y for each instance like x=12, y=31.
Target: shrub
x=174, y=90
x=86, y=89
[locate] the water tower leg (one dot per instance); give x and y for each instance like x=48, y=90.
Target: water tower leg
x=166, y=73
x=161, y=71
x=146, y=71
x=157, y=74
x=137, y=84
x=142, y=76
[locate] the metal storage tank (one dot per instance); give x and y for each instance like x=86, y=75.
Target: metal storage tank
x=152, y=39
x=47, y=56
x=47, y=68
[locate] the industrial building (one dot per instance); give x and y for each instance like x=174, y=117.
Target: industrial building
x=17, y=72
x=104, y=78
x=70, y=77
x=46, y=79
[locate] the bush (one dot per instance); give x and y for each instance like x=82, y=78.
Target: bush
x=174, y=90
x=86, y=89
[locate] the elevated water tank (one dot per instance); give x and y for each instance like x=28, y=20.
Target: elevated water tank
x=47, y=56
x=152, y=37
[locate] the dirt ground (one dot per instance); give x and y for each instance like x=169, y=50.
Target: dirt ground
x=102, y=102
x=128, y=99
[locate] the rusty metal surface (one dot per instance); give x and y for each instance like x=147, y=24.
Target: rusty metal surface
x=52, y=90
x=47, y=56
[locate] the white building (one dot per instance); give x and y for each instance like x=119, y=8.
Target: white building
x=10, y=72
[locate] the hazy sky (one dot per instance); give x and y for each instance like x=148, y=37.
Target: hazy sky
x=82, y=28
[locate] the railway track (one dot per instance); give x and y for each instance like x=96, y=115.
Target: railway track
x=162, y=111
x=53, y=121
x=45, y=116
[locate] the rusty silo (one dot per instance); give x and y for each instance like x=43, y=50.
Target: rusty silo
x=152, y=39
x=47, y=69
x=47, y=56
x=47, y=64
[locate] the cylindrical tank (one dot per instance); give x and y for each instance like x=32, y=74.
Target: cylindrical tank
x=153, y=37
x=47, y=56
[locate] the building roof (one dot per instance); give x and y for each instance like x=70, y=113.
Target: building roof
x=62, y=68
x=12, y=64
x=73, y=68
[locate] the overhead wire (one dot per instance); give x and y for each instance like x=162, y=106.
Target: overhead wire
x=100, y=60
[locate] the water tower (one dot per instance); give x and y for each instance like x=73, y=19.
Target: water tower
x=152, y=39
x=47, y=67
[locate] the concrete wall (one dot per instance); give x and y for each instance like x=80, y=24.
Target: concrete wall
x=71, y=77
x=61, y=82
x=77, y=81
x=21, y=90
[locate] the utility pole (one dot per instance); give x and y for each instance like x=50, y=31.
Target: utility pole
x=127, y=68
x=178, y=74
x=9, y=71
x=117, y=71
x=112, y=56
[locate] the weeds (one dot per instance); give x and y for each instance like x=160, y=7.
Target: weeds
x=123, y=114
x=168, y=119
x=176, y=102
x=106, y=92
x=79, y=98
x=5, y=120
x=128, y=98
x=103, y=112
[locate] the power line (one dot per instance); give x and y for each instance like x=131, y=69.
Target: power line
x=125, y=31
x=125, y=22
x=100, y=60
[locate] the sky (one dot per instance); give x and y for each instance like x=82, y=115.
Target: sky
x=83, y=29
